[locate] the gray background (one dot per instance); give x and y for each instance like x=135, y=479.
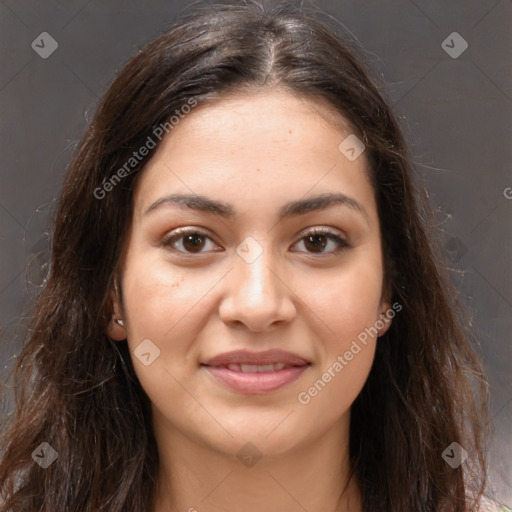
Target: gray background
x=456, y=113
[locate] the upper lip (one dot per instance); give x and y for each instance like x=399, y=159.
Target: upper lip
x=273, y=356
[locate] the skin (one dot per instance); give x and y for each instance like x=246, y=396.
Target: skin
x=256, y=152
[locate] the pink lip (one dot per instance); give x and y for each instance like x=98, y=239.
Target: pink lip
x=256, y=382
x=266, y=357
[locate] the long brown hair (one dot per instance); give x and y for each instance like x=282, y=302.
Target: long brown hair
x=76, y=389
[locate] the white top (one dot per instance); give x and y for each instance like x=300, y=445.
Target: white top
x=491, y=506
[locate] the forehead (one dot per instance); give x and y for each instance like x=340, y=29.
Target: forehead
x=272, y=107
x=255, y=144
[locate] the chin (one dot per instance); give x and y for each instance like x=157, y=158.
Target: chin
x=274, y=438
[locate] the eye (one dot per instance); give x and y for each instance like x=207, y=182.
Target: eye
x=193, y=240
x=316, y=240
x=188, y=240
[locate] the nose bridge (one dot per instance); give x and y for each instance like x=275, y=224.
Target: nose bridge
x=256, y=296
x=254, y=271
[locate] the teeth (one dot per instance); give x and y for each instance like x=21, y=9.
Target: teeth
x=249, y=368
x=255, y=368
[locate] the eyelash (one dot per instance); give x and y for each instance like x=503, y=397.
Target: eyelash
x=179, y=233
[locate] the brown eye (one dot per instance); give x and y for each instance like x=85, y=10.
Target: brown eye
x=315, y=243
x=187, y=241
x=194, y=242
x=317, y=240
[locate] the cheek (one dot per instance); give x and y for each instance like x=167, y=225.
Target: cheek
x=330, y=394
x=159, y=299
x=169, y=306
x=350, y=309
x=160, y=303
x=348, y=305
x=346, y=301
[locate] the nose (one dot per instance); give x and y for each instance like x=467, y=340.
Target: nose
x=257, y=295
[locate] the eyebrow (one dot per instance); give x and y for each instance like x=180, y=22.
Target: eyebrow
x=291, y=209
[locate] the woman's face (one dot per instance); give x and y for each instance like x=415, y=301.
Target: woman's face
x=248, y=274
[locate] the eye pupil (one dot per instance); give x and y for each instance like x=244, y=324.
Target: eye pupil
x=196, y=240
x=319, y=245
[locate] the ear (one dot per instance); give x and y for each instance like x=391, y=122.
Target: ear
x=386, y=316
x=114, y=330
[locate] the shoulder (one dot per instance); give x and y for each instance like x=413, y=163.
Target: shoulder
x=487, y=501
x=488, y=505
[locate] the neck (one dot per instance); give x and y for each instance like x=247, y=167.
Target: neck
x=197, y=478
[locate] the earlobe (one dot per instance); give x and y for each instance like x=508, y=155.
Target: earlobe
x=384, y=321
x=116, y=327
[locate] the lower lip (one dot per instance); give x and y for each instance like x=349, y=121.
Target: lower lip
x=256, y=383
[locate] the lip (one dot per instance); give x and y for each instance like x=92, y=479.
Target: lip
x=272, y=356
x=256, y=382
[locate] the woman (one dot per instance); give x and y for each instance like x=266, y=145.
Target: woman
x=246, y=308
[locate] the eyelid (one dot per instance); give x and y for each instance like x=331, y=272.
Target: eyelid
x=177, y=233
x=330, y=233
x=321, y=230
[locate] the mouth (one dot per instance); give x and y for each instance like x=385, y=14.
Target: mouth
x=256, y=368
x=256, y=373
